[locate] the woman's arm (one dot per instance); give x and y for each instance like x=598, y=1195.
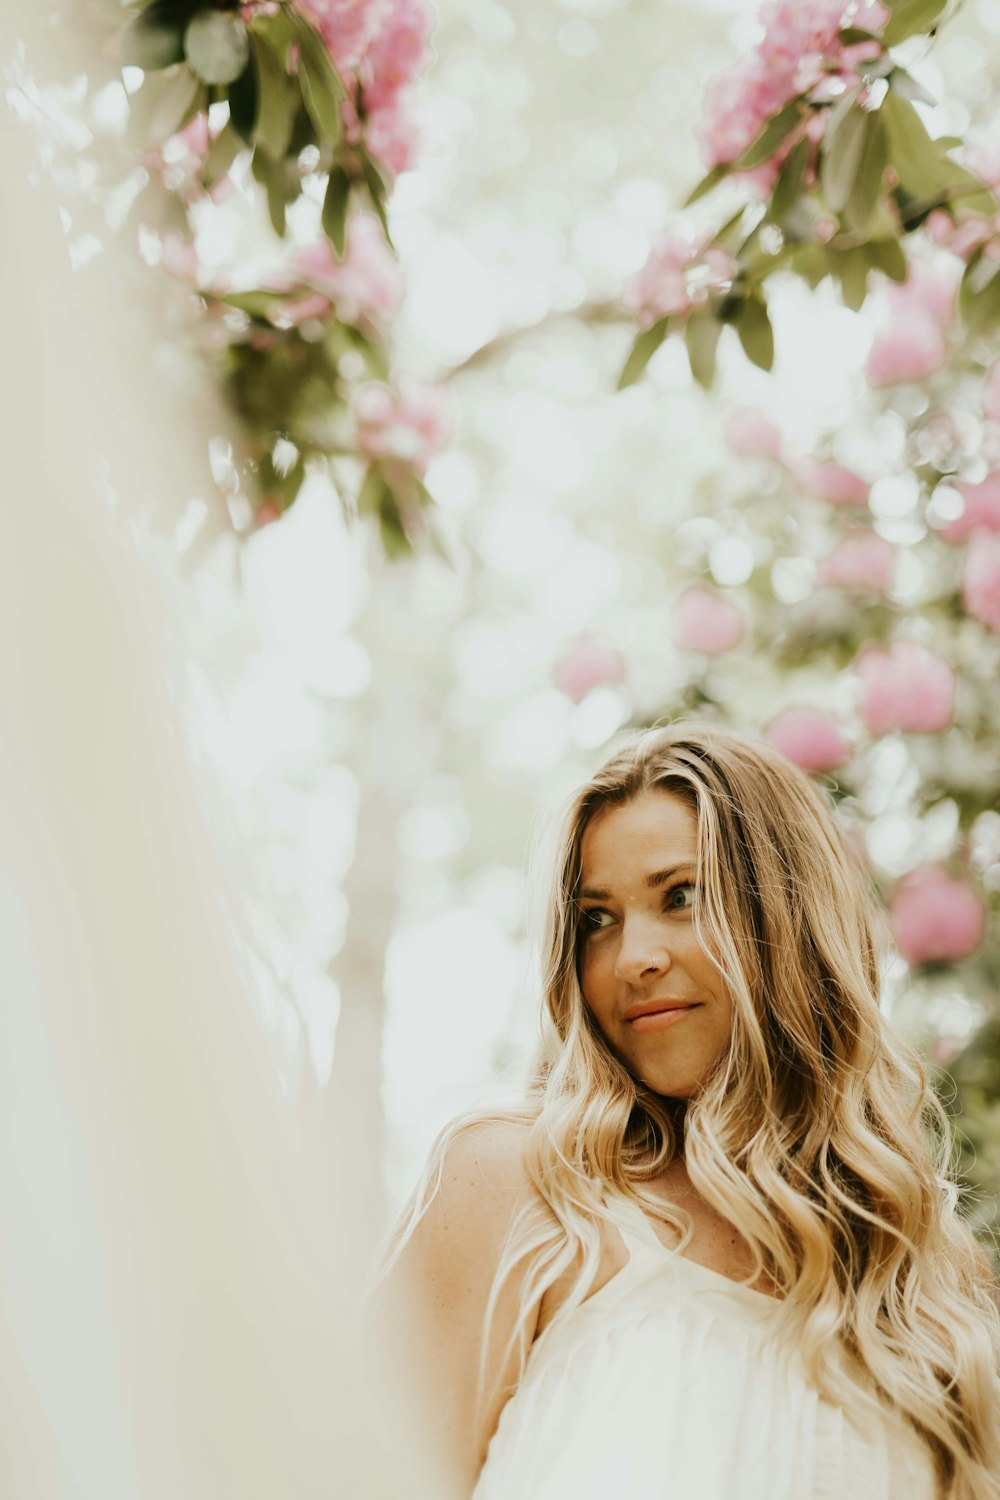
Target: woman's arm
x=428, y=1313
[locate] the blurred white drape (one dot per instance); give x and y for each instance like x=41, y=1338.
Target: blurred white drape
x=177, y=1303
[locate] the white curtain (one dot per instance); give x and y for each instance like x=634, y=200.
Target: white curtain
x=177, y=1298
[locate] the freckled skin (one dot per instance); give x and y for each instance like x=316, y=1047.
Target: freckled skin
x=640, y=943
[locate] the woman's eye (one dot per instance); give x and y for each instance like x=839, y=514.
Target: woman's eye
x=589, y=919
x=685, y=885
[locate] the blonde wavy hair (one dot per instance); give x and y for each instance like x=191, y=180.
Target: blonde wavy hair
x=816, y=1134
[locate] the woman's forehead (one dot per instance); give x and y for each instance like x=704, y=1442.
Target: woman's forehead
x=656, y=825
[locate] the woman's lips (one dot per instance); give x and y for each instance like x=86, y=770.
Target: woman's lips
x=661, y=1018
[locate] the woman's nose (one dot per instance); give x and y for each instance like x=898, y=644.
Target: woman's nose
x=644, y=951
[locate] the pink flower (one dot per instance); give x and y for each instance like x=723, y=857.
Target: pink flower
x=178, y=256
x=678, y=274
x=904, y=687
x=705, y=621
x=861, y=560
x=195, y=135
x=301, y=309
x=268, y=511
x=991, y=395
x=981, y=509
x=909, y=350
x=809, y=738
x=925, y=291
x=384, y=45
x=981, y=578
x=587, y=664
x=412, y=427
x=801, y=50
x=831, y=482
x=913, y=344
x=366, y=287
x=395, y=57
x=751, y=434
x=348, y=27
x=983, y=158
x=936, y=919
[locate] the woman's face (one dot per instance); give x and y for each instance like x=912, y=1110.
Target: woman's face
x=638, y=947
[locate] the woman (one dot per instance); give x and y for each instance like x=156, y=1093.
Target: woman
x=715, y=1251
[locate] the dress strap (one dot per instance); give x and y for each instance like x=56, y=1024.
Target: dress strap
x=634, y=1227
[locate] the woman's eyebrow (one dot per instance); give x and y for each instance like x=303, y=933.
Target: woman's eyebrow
x=658, y=878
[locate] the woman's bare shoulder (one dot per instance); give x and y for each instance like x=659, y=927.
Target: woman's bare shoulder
x=453, y=1237
x=482, y=1175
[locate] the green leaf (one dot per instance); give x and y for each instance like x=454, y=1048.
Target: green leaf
x=377, y=193
x=979, y=294
x=370, y=493
x=280, y=182
x=272, y=129
x=887, y=256
x=256, y=304
x=841, y=111
x=303, y=131
x=756, y=335
x=322, y=89
x=243, y=104
x=777, y=130
x=707, y=183
x=701, y=335
x=842, y=150
x=790, y=183
x=965, y=187
x=643, y=348
x=812, y=263
x=910, y=17
x=852, y=267
x=919, y=164
x=866, y=189
x=220, y=155
x=216, y=46
x=154, y=39
x=851, y=35
x=278, y=31
x=335, y=200
x=164, y=104
x=728, y=236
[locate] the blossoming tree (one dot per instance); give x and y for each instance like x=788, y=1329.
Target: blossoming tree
x=818, y=124
x=317, y=97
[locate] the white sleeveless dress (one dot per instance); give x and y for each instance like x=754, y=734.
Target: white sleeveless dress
x=658, y=1388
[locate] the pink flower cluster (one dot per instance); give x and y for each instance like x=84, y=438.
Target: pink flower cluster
x=366, y=287
x=831, y=482
x=705, y=621
x=800, y=51
x=936, y=919
x=385, y=44
x=979, y=525
x=348, y=27
x=981, y=579
x=981, y=509
x=588, y=663
x=913, y=344
x=809, y=738
x=752, y=434
x=680, y=273
x=904, y=686
x=861, y=560
x=411, y=427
